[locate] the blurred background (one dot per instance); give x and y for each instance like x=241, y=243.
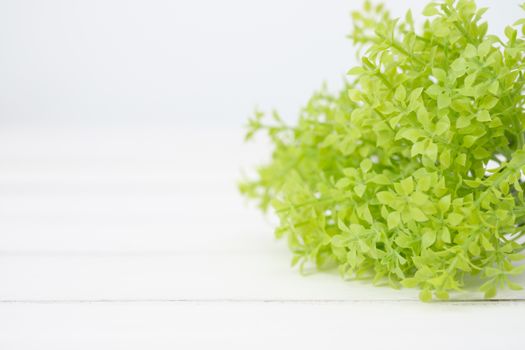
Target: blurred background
x=178, y=62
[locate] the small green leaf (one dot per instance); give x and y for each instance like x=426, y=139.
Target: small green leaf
x=490, y=292
x=488, y=102
x=470, y=51
x=360, y=189
x=494, y=87
x=454, y=219
x=486, y=244
x=443, y=101
x=417, y=214
x=418, y=148
x=409, y=19
x=355, y=95
x=491, y=272
x=483, y=116
x=407, y=185
x=381, y=179
x=445, y=159
x=463, y=121
x=474, y=249
x=484, y=48
x=444, y=203
x=356, y=71
x=431, y=9
x=425, y=295
x=434, y=90
x=442, y=295
x=343, y=183
x=517, y=270
x=516, y=257
x=393, y=220
x=442, y=126
x=410, y=282
x=439, y=73
x=514, y=286
x=431, y=151
x=386, y=197
x=459, y=66
x=429, y=237
x=400, y=94
x=445, y=235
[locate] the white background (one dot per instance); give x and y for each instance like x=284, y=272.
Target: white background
x=193, y=62
x=120, y=148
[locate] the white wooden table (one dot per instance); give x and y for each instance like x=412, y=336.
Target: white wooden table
x=137, y=239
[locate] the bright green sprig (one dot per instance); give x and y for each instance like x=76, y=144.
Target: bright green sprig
x=412, y=174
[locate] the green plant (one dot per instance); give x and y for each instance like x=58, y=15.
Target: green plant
x=412, y=174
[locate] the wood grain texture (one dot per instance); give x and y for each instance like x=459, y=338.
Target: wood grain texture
x=138, y=238
x=259, y=325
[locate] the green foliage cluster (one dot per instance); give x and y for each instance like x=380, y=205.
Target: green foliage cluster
x=412, y=174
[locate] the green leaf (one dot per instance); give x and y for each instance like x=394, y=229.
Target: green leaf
x=393, y=220
x=483, y=116
x=425, y=295
x=470, y=51
x=423, y=117
x=514, y=286
x=459, y=66
x=486, y=244
x=381, y=179
x=445, y=159
x=454, y=219
x=517, y=270
x=443, y=101
x=343, y=183
x=484, y=48
x=360, y=190
x=418, y=148
x=417, y=214
x=442, y=295
x=386, y=197
x=356, y=71
x=407, y=185
x=463, y=121
x=410, y=282
x=516, y=257
x=442, y=126
x=400, y=94
x=411, y=134
x=429, y=237
x=431, y=151
x=355, y=95
x=444, y=203
x=366, y=165
x=488, y=102
x=445, y=235
x=409, y=19
x=494, y=87
x=439, y=73
x=490, y=292
x=434, y=91
x=431, y=9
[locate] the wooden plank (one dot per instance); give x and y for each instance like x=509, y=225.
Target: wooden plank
x=134, y=190
x=130, y=234
x=127, y=225
x=128, y=218
x=262, y=325
x=191, y=275
x=202, y=146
